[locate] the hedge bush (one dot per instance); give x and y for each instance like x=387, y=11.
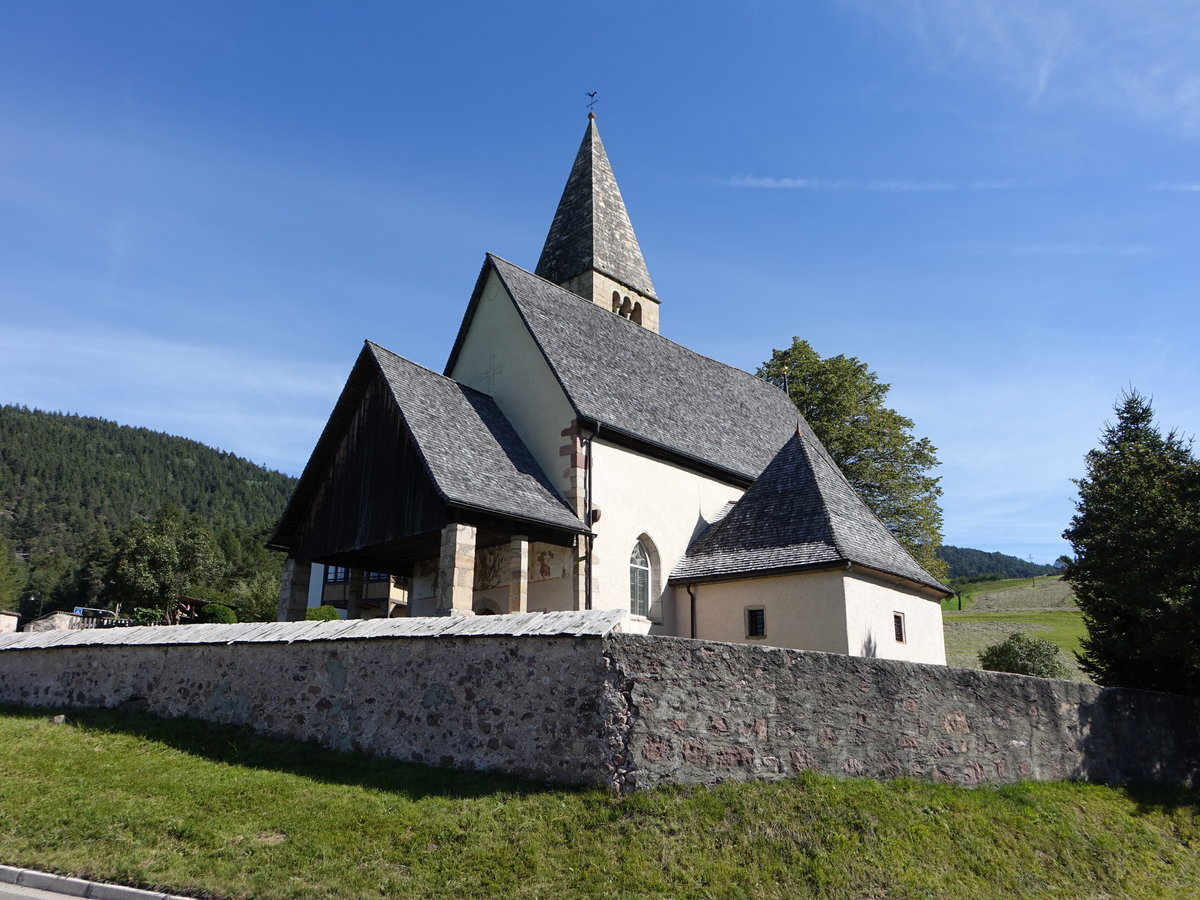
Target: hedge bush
x=217, y=613
x=322, y=613
x=1024, y=655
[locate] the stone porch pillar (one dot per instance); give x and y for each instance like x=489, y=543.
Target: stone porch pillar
x=518, y=574
x=293, y=590
x=456, y=571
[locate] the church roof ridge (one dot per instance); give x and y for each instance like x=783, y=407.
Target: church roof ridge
x=666, y=395
x=591, y=227
x=571, y=295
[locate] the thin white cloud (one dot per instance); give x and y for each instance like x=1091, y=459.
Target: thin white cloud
x=1080, y=248
x=1139, y=59
x=1178, y=186
x=264, y=408
x=897, y=185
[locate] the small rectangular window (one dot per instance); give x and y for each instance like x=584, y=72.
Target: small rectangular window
x=336, y=575
x=898, y=624
x=756, y=622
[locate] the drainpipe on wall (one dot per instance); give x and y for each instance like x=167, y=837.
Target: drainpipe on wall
x=692, y=595
x=586, y=440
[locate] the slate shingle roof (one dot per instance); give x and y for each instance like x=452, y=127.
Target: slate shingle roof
x=636, y=382
x=591, y=229
x=470, y=450
x=474, y=455
x=801, y=512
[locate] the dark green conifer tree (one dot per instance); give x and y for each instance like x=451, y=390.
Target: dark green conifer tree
x=11, y=581
x=1136, y=572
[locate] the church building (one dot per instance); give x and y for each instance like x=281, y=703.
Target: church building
x=570, y=457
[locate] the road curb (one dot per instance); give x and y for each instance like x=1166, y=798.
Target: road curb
x=77, y=887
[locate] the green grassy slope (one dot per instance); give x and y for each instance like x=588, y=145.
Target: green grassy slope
x=190, y=808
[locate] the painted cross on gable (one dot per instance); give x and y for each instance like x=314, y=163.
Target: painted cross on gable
x=487, y=378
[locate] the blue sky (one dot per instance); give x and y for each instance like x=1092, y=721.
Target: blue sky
x=206, y=207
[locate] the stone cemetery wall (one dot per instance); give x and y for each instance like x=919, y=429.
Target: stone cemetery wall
x=705, y=711
x=596, y=706
x=534, y=705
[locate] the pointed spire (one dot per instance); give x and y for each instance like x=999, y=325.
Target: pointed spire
x=591, y=230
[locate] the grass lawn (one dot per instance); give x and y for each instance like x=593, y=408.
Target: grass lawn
x=192, y=808
x=970, y=632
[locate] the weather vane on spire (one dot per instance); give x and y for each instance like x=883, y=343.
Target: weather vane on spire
x=592, y=102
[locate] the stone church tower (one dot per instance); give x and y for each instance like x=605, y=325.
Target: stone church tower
x=591, y=249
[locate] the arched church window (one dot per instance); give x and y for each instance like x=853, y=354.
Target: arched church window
x=626, y=308
x=639, y=580
x=636, y=315
x=616, y=301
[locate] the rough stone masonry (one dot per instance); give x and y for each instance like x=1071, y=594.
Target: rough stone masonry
x=569, y=698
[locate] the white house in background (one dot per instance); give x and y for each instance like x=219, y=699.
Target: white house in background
x=570, y=457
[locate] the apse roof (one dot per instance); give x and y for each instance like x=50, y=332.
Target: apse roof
x=801, y=512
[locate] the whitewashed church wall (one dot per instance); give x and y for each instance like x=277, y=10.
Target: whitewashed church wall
x=870, y=607
x=551, y=578
x=499, y=358
x=550, y=570
x=804, y=611
x=638, y=495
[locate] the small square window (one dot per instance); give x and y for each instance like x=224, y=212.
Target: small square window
x=898, y=624
x=756, y=622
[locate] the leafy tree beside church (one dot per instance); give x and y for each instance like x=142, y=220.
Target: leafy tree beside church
x=1136, y=572
x=162, y=560
x=872, y=444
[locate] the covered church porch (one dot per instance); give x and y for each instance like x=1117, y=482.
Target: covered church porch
x=424, y=480
x=472, y=566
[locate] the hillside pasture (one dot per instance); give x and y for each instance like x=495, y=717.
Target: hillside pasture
x=1044, y=609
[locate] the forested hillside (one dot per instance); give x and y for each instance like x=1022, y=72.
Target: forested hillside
x=73, y=489
x=975, y=564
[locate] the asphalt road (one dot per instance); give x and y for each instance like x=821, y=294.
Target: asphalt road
x=13, y=892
